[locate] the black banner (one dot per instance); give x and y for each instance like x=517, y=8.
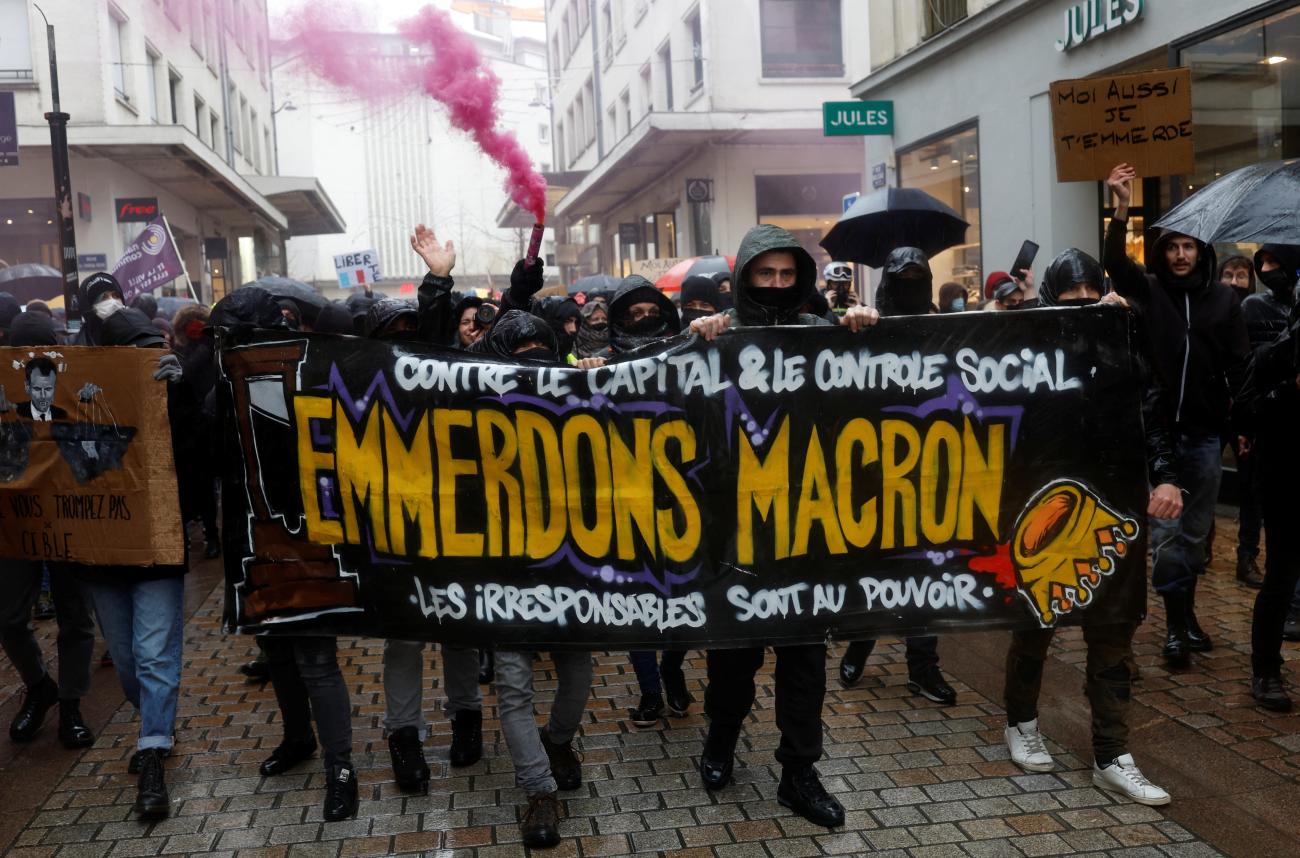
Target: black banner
x=778, y=485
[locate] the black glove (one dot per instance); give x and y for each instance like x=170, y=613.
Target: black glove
x=527, y=281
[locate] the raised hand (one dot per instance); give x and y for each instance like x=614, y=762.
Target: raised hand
x=440, y=258
x=1120, y=182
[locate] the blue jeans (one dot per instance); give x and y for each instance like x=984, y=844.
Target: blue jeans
x=142, y=622
x=1178, y=544
x=646, y=665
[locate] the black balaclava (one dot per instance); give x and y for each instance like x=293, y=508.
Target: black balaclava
x=699, y=287
x=555, y=311
x=1281, y=281
x=512, y=329
x=905, y=297
x=1067, y=270
x=638, y=290
x=592, y=339
x=383, y=313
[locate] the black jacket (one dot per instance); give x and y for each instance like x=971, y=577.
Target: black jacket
x=1197, y=333
x=638, y=290
x=437, y=323
x=749, y=313
x=897, y=297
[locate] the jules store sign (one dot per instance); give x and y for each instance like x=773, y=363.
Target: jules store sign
x=1092, y=19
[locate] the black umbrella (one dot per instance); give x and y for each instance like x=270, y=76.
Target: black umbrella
x=310, y=302
x=1256, y=204
x=593, y=283
x=891, y=218
x=31, y=281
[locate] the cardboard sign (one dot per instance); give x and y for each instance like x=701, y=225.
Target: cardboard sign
x=1140, y=119
x=776, y=485
x=86, y=473
x=653, y=269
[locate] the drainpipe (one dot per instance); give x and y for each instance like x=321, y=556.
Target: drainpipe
x=597, y=109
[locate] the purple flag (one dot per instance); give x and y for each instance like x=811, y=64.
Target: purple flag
x=149, y=262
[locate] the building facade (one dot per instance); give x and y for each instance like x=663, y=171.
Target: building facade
x=679, y=124
x=399, y=163
x=169, y=102
x=973, y=127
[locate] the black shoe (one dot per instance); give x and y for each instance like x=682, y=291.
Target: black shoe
x=287, y=755
x=487, y=667
x=73, y=732
x=540, y=826
x=930, y=684
x=341, y=799
x=649, y=712
x=37, y=700
x=1270, y=693
x=854, y=662
x=151, y=799
x=679, y=700
x=718, y=758
x=133, y=765
x=1177, y=649
x=44, y=608
x=1248, y=574
x=801, y=790
x=566, y=765
x=466, y=737
x=410, y=769
x=1197, y=639
x=1291, y=631
x=258, y=670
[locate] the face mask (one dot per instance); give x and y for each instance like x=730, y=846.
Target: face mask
x=645, y=326
x=689, y=316
x=1076, y=302
x=1277, y=280
x=958, y=305
x=913, y=301
x=535, y=354
x=598, y=327
x=108, y=307
x=775, y=298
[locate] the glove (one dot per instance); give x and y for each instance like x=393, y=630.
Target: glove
x=527, y=282
x=169, y=369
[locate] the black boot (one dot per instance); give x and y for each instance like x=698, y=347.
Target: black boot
x=151, y=799
x=801, y=790
x=487, y=667
x=466, y=737
x=1176, y=651
x=37, y=700
x=854, y=662
x=649, y=712
x=410, y=769
x=1248, y=574
x=289, y=754
x=718, y=757
x=341, y=799
x=676, y=695
x=566, y=764
x=212, y=545
x=73, y=732
x=1197, y=639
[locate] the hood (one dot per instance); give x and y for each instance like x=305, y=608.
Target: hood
x=698, y=287
x=247, y=307
x=512, y=329
x=32, y=329
x=1288, y=256
x=1202, y=275
x=759, y=240
x=895, y=297
x=9, y=309
x=638, y=290
x=334, y=318
x=555, y=311
x=384, y=312
x=130, y=327
x=1071, y=267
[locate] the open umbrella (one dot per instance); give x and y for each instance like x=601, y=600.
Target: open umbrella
x=890, y=218
x=671, y=280
x=593, y=283
x=310, y=302
x=31, y=281
x=1255, y=204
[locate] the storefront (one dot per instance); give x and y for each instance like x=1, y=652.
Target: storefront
x=972, y=120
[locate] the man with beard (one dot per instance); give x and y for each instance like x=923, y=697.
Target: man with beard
x=774, y=278
x=1199, y=347
x=1074, y=279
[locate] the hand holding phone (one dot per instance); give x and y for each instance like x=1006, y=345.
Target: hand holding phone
x=1024, y=260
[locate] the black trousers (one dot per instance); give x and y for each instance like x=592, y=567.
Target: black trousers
x=306, y=677
x=1277, y=478
x=800, y=690
x=20, y=584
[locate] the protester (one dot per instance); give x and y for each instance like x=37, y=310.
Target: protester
x=1199, y=347
x=593, y=331
x=774, y=277
x=661, y=681
x=563, y=315
x=37, y=306
x=1238, y=274
x=357, y=304
x=952, y=298
x=1075, y=279
x=839, y=286
x=700, y=298
x=1003, y=292
x=9, y=310
x=906, y=284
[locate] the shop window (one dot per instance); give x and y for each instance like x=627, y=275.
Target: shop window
x=942, y=14
x=801, y=38
x=807, y=205
x=948, y=169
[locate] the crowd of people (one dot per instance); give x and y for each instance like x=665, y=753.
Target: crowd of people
x=1219, y=365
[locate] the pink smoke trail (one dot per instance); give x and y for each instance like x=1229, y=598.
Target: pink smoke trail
x=456, y=76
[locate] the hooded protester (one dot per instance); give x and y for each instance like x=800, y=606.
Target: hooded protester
x=1270, y=405
x=32, y=329
x=722, y=279
x=334, y=318
x=468, y=326
x=1075, y=279
x=564, y=316
x=774, y=278
x=1238, y=274
x=640, y=314
x=518, y=336
x=952, y=298
x=35, y=306
x=700, y=298
x=1199, y=346
x=357, y=304
x=905, y=289
x=593, y=332
x=193, y=344
x=391, y=319
x=292, y=315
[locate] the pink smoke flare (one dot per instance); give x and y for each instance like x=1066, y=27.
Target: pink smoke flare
x=456, y=76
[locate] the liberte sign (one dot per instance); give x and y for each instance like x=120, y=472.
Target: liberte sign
x=1091, y=19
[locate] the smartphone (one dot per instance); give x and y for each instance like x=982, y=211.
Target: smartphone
x=1024, y=259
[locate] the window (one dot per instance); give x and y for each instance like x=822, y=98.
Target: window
x=269, y=149
x=942, y=14
x=666, y=70
x=214, y=124
x=211, y=35
x=607, y=31
x=625, y=102
x=697, y=50
x=948, y=169
x=198, y=28
x=543, y=133
x=119, y=52
x=174, y=95
x=801, y=38
x=611, y=123
x=255, y=143
x=245, y=126
x=232, y=104
x=201, y=120
x=646, y=92
x=559, y=145
x=589, y=111
x=154, y=65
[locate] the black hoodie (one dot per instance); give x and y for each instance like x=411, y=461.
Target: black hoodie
x=511, y=330
x=1266, y=312
x=898, y=297
x=638, y=290
x=1198, y=336
x=748, y=312
x=1067, y=270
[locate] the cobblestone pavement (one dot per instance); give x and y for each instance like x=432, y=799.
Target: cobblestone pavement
x=916, y=779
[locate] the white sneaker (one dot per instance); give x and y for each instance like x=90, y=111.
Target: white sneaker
x=1124, y=777
x=1027, y=749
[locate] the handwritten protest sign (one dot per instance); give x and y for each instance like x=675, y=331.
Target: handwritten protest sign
x=1141, y=119
x=653, y=269
x=86, y=473
x=776, y=485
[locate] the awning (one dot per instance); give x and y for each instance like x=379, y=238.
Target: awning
x=512, y=216
x=304, y=202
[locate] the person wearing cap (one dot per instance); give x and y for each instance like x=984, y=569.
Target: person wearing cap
x=1002, y=292
x=839, y=286
x=700, y=297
